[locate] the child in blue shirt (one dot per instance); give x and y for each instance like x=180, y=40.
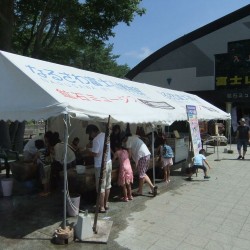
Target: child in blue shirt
x=167, y=155
x=199, y=161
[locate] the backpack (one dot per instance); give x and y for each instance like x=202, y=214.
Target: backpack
x=167, y=152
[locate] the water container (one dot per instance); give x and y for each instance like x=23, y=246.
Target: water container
x=83, y=227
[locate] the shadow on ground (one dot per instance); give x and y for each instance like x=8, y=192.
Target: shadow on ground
x=26, y=213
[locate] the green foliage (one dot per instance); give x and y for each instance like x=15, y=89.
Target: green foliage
x=101, y=60
x=100, y=17
x=69, y=32
x=72, y=32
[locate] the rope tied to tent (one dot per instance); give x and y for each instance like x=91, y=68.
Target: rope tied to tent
x=63, y=236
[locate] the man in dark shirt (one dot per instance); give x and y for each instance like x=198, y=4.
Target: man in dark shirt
x=243, y=137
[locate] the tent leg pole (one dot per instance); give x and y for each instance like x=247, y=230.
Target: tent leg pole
x=230, y=135
x=102, y=172
x=66, y=134
x=218, y=159
x=153, y=154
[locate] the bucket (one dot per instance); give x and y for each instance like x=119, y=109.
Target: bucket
x=7, y=185
x=73, y=209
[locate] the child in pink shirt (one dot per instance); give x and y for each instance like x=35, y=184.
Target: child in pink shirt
x=125, y=177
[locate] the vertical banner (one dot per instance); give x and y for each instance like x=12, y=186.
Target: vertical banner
x=194, y=128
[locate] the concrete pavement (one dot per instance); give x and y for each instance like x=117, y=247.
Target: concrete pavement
x=198, y=214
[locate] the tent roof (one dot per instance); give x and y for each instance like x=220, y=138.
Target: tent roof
x=35, y=89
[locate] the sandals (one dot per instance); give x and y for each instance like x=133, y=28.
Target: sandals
x=102, y=211
x=154, y=192
x=125, y=199
x=137, y=194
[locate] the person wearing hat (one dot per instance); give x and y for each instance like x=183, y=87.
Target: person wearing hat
x=243, y=138
x=97, y=152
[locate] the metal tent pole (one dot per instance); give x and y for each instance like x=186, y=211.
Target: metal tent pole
x=230, y=134
x=218, y=138
x=153, y=153
x=66, y=134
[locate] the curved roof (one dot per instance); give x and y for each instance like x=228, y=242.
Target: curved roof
x=196, y=34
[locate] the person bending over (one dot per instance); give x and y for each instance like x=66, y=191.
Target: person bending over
x=199, y=161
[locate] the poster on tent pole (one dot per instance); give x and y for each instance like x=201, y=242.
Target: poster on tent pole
x=194, y=128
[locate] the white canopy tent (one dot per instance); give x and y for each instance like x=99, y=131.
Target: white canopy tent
x=32, y=89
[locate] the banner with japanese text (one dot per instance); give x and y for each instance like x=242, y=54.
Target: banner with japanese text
x=194, y=128
x=41, y=90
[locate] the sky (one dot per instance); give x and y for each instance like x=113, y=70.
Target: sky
x=164, y=22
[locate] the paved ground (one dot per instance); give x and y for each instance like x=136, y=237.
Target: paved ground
x=198, y=214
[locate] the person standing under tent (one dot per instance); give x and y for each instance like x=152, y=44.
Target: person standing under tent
x=166, y=154
x=125, y=178
x=139, y=152
x=97, y=152
x=78, y=150
x=57, y=153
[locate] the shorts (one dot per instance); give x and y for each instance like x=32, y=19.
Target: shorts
x=167, y=162
x=106, y=182
x=142, y=166
x=242, y=142
x=195, y=167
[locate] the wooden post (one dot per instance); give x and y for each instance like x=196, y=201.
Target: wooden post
x=102, y=172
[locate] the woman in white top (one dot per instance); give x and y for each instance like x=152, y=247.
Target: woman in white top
x=57, y=154
x=30, y=149
x=141, y=155
x=97, y=152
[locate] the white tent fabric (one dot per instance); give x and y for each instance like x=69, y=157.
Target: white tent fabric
x=35, y=89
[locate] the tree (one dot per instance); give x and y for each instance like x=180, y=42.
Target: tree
x=69, y=32
x=44, y=26
x=41, y=24
x=6, y=24
x=62, y=30
x=101, y=60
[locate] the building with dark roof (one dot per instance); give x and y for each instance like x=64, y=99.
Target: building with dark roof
x=212, y=62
